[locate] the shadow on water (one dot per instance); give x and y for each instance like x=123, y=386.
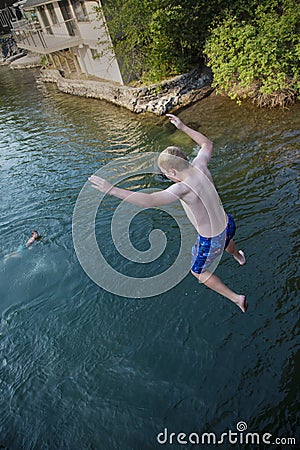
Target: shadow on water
x=83, y=368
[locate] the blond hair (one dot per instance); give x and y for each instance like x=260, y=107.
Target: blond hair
x=173, y=158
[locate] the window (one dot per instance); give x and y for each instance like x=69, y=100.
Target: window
x=95, y=53
x=52, y=14
x=80, y=10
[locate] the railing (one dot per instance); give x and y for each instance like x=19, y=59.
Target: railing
x=19, y=24
x=30, y=34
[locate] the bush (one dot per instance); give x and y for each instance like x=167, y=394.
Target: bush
x=258, y=57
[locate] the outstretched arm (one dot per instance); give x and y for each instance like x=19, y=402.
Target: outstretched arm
x=206, y=144
x=29, y=242
x=143, y=199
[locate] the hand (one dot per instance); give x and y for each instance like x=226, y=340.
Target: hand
x=175, y=121
x=100, y=183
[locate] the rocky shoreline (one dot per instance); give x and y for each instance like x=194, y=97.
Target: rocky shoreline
x=157, y=98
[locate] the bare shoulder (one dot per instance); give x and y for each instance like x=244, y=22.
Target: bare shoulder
x=179, y=189
x=201, y=165
x=204, y=154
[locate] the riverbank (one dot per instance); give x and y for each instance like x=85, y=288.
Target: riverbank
x=22, y=61
x=157, y=98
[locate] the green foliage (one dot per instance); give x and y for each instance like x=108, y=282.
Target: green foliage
x=253, y=47
x=44, y=61
x=258, y=58
x=158, y=38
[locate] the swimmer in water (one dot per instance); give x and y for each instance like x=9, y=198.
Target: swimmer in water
x=34, y=237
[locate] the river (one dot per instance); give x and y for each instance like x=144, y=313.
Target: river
x=82, y=367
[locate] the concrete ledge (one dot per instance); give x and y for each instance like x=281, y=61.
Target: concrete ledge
x=26, y=62
x=157, y=98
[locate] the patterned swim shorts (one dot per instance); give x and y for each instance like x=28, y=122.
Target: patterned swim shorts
x=206, y=250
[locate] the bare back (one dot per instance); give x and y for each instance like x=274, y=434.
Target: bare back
x=201, y=201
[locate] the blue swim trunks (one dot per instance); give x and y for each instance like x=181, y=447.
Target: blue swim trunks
x=206, y=250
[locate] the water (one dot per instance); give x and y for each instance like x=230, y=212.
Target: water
x=81, y=368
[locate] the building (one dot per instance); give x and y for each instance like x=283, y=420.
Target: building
x=8, y=14
x=70, y=35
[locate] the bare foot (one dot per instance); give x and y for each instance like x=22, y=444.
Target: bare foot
x=241, y=258
x=241, y=302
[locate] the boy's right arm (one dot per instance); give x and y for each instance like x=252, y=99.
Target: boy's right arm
x=142, y=199
x=205, y=152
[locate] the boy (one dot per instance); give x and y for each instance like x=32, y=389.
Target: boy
x=193, y=186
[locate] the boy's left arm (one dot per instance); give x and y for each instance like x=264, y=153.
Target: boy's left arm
x=142, y=199
x=205, y=152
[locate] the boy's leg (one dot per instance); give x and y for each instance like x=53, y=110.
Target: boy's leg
x=237, y=254
x=213, y=282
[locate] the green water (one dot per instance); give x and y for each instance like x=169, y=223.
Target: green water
x=81, y=368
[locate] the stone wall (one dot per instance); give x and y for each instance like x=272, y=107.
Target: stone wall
x=157, y=98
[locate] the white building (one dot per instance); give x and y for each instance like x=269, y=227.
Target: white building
x=70, y=35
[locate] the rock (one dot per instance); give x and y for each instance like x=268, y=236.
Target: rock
x=157, y=98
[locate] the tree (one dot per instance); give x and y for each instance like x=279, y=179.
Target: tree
x=158, y=38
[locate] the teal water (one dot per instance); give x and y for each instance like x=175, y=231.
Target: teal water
x=81, y=368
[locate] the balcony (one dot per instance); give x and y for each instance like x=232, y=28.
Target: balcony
x=31, y=36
